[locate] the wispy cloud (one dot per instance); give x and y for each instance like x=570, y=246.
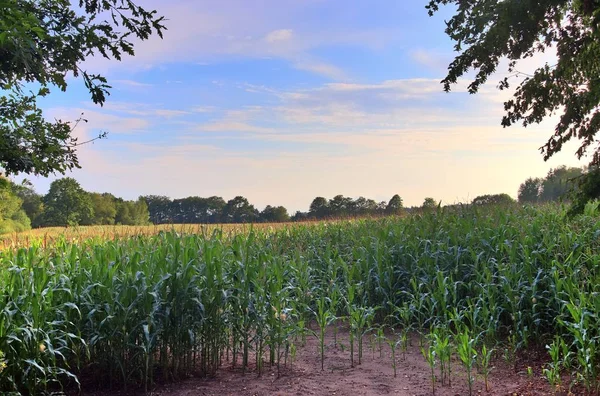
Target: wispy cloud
x=130, y=83
x=143, y=109
x=208, y=33
x=279, y=35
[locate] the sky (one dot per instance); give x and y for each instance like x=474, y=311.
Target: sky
x=284, y=100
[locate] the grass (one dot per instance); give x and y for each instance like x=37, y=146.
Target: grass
x=125, y=311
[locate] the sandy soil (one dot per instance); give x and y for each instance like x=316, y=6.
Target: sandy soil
x=374, y=376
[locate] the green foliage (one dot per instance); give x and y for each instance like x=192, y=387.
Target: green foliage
x=132, y=212
x=395, y=205
x=42, y=42
x=174, y=304
x=274, y=214
x=559, y=183
x=484, y=362
x=429, y=354
x=32, y=202
x=190, y=210
x=12, y=217
x=324, y=317
x=529, y=190
x=465, y=346
x=430, y=204
x=319, y=208
x=105, y=208
x=239, y=210
x=588, y=188
x=67, y=204
x=493, y=199
x=488, y=31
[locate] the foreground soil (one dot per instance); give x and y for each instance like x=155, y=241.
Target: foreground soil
x=374, y=376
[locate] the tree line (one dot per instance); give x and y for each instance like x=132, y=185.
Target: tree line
x=561, y=183
x=193, y=210
x=65, y=204
x=68, y=204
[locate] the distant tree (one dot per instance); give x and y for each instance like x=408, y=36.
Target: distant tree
x=588, y=187
x=32, y=201
x=363, y=206
x=239, y=210
x=190, y=210
x=430, y=204
x=132, y=212
x=395, y=205
x=274, y=214
x=319, y=208
x=12, y=217
x=105, y=208
x=197, y=210
x=558, y=183
x=160, y=209
x=340, y=206
x=67, y=204
x=381, y=206
x=529, y=190
x=493, y=199
x=300, y=216
x=214, y=209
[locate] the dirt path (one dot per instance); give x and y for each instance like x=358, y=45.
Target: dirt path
x=375, y=376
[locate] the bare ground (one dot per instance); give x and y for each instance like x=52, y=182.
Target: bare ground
x=374, y=376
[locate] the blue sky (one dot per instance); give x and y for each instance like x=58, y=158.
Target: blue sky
x=285, y=100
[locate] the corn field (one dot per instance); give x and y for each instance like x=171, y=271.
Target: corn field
x=47, y=236
x=129, y=311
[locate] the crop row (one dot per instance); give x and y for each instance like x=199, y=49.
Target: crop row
x=128, y=311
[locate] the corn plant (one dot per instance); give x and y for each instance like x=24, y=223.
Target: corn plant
x=324, y=317
x=580, y=328
x=429, y=354
x=484, y=361
x=467, y=354
x=393, y=344
x=440, y=341
x=360, y=319
x=553, y=369
x=380, y=337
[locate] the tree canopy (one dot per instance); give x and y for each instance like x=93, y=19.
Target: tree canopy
x=488, y=31
x=67, y=204
x=41, y=44
x=493, y=199
x=12, y=216
x=430, y=204
x=559, y=184
x=395, y=205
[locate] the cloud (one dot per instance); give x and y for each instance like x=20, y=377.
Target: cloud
x=168, y=113
x=279, y=35
x=231, y=126
x=434, y=60
x=131, y=83
x=142, y=109
x=324, y=69
x=206, y=33
x=203, y=109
